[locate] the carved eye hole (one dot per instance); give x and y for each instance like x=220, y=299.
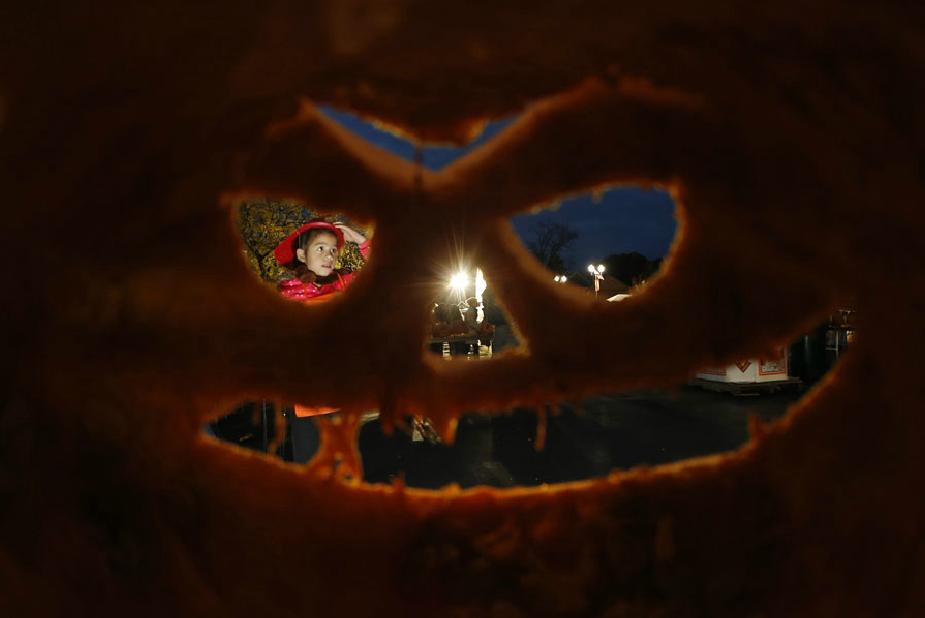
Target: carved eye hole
x=266, y=224
x=618, y=238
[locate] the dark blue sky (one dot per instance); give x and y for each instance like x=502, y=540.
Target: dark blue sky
x=619, y=220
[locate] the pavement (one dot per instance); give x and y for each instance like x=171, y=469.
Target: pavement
x=587, y=440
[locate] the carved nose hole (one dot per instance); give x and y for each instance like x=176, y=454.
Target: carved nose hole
x=468, y=320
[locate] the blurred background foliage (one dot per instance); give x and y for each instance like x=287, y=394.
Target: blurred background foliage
x=263, y=224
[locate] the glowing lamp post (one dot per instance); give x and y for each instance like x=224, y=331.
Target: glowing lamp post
x=560, y=278
x=598, y=273
x=459, y=281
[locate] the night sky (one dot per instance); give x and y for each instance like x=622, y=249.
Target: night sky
x=619, y=220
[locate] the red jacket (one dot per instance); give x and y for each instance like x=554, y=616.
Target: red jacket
x=296, y=289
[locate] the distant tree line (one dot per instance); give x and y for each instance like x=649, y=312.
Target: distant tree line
x=551, y=241
x=631, y=268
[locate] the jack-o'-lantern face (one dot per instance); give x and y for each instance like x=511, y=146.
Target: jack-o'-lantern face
x=778, y=132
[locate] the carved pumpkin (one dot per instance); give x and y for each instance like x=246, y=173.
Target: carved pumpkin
x=790, y=132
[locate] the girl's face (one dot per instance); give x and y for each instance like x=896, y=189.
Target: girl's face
x=320, y=255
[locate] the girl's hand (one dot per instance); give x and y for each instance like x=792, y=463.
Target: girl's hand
x=350, y=234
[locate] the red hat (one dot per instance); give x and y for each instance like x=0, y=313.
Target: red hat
x=285, y=251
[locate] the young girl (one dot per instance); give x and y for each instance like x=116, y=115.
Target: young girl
x=311, y=254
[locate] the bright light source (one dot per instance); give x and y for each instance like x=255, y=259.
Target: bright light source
x=600, y=268
x=459, y=281
x=560, y=278
x=591, y=268
x=480, y=284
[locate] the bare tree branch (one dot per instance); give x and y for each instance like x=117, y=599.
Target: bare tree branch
x=549, y=241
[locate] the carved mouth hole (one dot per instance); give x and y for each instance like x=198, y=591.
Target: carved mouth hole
x=599, y=436
x=715, y=412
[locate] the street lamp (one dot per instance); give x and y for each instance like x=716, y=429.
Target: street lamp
x=598, y=273
x=459, y=281
x=560, y=278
